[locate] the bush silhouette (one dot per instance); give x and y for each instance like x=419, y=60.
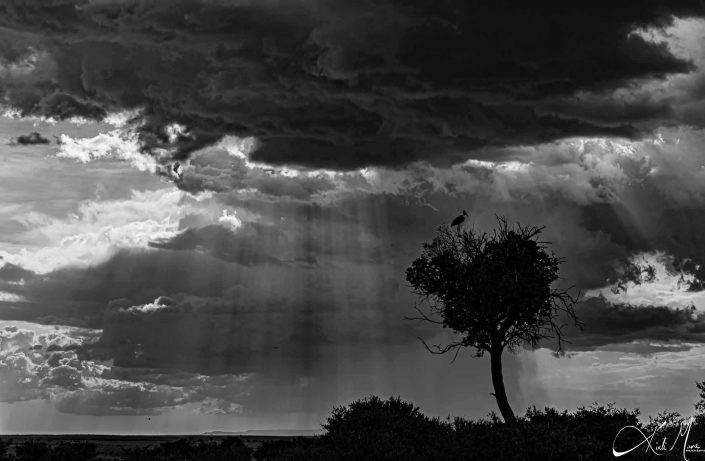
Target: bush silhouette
x=376, y=429
x=369, y=429
x=385, y=430
x=548, y=434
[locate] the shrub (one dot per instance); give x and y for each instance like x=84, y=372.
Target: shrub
x=383, y=430
x=376, y=429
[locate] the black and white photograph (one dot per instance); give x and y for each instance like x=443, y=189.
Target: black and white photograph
x=319, y=230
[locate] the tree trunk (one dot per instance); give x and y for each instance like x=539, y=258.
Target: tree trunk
x=498, y=382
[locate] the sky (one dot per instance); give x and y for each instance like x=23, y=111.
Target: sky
x=214, y=234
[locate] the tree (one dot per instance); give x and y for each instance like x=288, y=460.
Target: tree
x=494, y=291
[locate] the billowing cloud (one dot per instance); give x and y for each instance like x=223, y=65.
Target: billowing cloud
x=33, y=362
x=117, y=144
x=38, y=362
x=656, y=279
x=341, y=86
x=96, y=229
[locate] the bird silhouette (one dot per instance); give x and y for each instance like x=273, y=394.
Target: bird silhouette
x=459, y=220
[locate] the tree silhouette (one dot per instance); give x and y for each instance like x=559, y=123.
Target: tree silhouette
x=494, y=291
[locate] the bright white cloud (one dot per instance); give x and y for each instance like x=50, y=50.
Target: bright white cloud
x=120, y=144
x=240, y=148
x=100, y=227
x=174, y=131
x=10, y=297
x=230, y=221
x=122, y=118
x=666, y=287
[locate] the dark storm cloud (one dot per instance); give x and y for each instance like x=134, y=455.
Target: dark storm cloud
x=610, y=324
x=32, y=138
x=13, y=273
x=608, y=108
x=340, y=84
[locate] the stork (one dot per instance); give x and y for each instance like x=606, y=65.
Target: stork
x=459, y=220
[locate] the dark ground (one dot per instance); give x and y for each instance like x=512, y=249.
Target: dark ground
x=113, y=445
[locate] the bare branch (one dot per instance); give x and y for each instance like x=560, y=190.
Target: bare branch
x=423, y=317
x=457, y=351
x=438, y=349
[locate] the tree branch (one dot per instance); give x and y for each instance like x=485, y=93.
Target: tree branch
x=423, y=317
x=441, y=349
